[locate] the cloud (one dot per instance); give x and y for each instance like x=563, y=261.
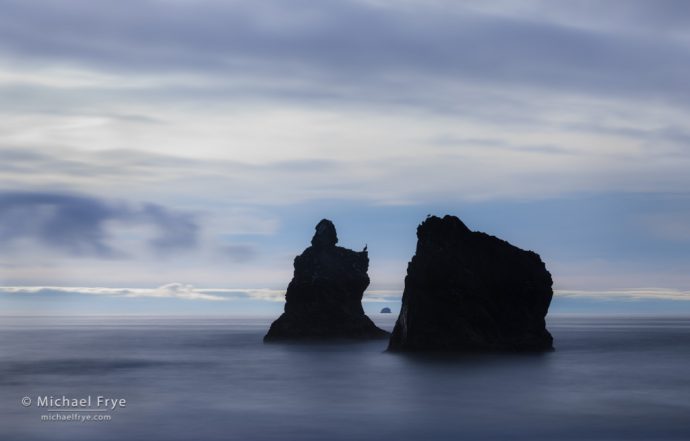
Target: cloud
x=258, y=116
x=189, y=292
x=635, y=16
x=312, y=51
x=176, y=231
x=459, y=173
x=80, y=225
x=353, y=114
x=173, y=290
x=185, y=291
x=239, y=252
x=381, y=295
x=629, y=294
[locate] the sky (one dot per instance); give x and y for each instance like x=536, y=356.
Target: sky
x=175, y=155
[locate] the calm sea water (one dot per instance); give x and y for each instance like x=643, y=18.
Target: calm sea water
x=213, y=379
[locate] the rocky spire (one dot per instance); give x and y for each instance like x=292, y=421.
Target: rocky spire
x=324, y=298
x=325, y=235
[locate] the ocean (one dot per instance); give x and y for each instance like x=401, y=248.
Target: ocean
x=197, y=378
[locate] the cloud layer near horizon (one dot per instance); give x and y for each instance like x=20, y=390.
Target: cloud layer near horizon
x=189, y=292
x=184, y=299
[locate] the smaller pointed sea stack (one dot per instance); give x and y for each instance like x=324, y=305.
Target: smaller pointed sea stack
x=468, y=291
x=324, y=298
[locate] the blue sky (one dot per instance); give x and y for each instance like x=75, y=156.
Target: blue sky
x=175, y=155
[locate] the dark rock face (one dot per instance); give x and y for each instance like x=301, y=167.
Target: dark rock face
x=324, y=298
x=468, y=291
x=385, y=311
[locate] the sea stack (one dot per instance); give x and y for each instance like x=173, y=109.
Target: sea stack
x=468, y=291
x=324, y=298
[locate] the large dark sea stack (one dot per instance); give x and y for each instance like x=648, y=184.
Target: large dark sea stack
x=468, y=291
x=324, y=298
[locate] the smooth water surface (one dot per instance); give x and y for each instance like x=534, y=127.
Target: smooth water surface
x=213, y=379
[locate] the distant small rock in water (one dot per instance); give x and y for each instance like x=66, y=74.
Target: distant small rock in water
x=324, y=298
x=468, y=291
x=385, y=311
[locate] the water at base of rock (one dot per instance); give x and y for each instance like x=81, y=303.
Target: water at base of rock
x=212, y=379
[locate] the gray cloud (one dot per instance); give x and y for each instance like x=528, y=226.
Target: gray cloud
x=79, y=225
x=637, y=16
x=239, y=252
x=207, y=185
x=316, y=50
x=175, y=230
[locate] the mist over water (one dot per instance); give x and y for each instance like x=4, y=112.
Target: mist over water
x=213, y=379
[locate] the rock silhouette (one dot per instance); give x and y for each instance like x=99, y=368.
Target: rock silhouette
x=324, y=298
x=469, y=291
x=385, y=311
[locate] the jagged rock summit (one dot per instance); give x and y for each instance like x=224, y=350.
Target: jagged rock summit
x=324, y=298
x=469, y=291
